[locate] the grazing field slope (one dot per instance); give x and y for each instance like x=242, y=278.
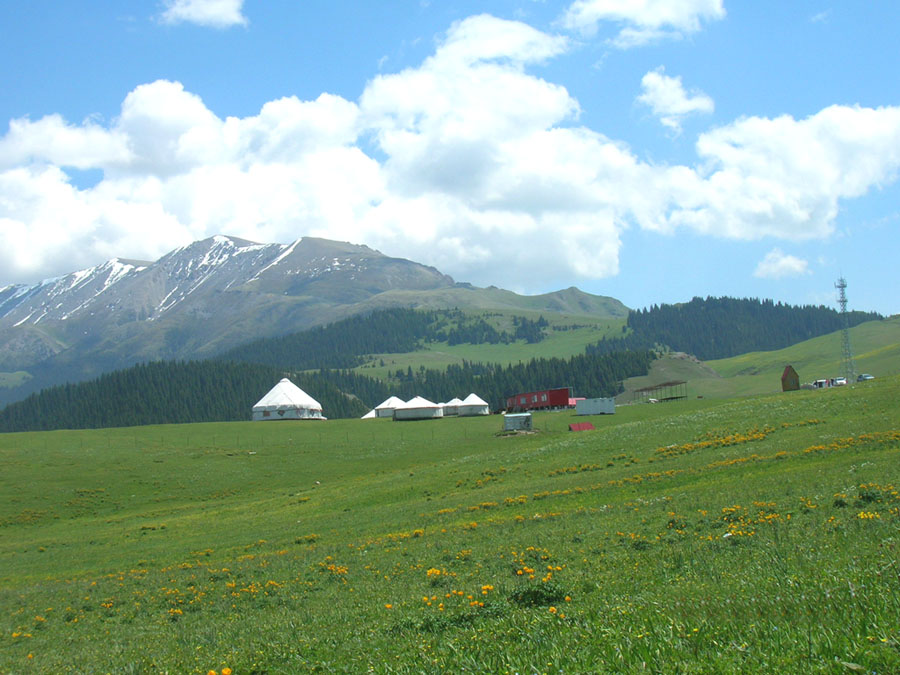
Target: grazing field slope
x=754, y=535
x=875, y=345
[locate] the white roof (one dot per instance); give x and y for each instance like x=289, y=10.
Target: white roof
x=369, y=415
x=453, y=401
x=286, y=394
x=417, y=402
x=473, y=399
x=390, y=403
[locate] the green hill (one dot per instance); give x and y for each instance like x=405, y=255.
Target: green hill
x=443, y=353
x=875, y=346
x=754, y=535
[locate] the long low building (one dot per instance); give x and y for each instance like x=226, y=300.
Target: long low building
x=596, y=406
x=539, y=400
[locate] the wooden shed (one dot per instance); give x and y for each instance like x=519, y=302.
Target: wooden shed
x=790, y=380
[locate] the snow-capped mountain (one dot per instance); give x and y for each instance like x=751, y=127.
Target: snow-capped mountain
x=192, y=302
x=128, y=290
x=63, y=297
x=202, y=299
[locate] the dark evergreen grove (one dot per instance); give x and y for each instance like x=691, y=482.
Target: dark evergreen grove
x=208, y=391
x=588, y=375
x=342, y=344
x=165, y=392
x=346, y=343
x=718, y=328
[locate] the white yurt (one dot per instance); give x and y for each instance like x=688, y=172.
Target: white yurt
x=287, y=401
x=418, y=408
x=369, y=415
x=473, y=405
x=386, y=409
x=451, y=407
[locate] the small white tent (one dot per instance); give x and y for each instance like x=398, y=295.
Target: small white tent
x=287, y=401
x=418, y=408
x=369, y=415
x=451, y=407
x=386, y=409
x=473, y=405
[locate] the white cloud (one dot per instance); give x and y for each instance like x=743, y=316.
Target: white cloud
x=642, y=21
x=784, y=177
x=467, y=162
x=778, y=265
x=174, y=172
x=52, y=140
x=669, y=101
x=212, y=13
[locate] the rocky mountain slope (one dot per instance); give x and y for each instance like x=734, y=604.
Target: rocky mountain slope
x=204, y=298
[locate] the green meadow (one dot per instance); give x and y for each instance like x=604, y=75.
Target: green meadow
x=757, y=534
x=567, y=335
x=875, y=345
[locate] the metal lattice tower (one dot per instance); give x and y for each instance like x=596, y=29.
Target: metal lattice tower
x=846, y=354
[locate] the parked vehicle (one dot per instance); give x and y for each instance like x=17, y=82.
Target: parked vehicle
x=864, y=377
x=839, y=381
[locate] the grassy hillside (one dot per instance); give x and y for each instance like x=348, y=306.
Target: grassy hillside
x=875, y=345
x=566, y=336
x=568, y=301
x=756, y=535
x=9, y=380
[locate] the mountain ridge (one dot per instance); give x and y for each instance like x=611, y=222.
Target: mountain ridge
x=210, y=295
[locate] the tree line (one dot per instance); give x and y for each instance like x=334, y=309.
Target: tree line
x=347, y=343
x=168, y=392
x=717, y=328
x=589, y=375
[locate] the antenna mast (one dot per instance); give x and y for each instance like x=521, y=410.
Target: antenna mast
x=846, y=354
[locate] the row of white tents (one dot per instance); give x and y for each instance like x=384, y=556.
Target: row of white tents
x=287, y=401
x=419, y=408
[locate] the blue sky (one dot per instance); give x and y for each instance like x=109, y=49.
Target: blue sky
x=651, y=150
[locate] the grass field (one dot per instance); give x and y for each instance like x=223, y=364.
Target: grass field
x=710, y=535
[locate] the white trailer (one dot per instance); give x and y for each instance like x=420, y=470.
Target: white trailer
x=596, y=406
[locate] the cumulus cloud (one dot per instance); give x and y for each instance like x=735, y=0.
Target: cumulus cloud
x=785, y=177
x=212, y=13
x=778, y=265
x=669, y=101
x=467, y=162
x=642, y=21
x=173, y=172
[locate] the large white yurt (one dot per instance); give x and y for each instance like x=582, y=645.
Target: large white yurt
x=418, y=408
x=451, y=407
x=287, y=401
x=386, y=409
x=473, y=405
